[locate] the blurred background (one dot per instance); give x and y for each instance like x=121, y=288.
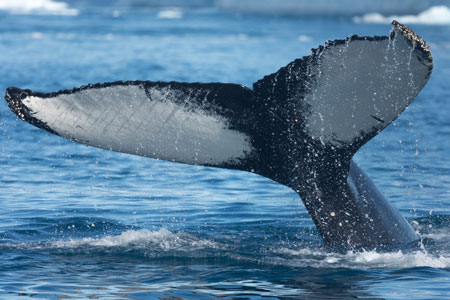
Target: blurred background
x=287, y=7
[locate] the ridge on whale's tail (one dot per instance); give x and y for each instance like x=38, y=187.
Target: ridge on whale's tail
x=300, y=126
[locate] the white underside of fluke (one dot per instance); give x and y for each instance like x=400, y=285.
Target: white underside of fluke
x=123, y=118
x=362, y=85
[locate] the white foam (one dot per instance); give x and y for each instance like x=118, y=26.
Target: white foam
x=399, y=259
x=327, y=7
x=165, y=240
x=170, y=14
x=436, y=15
x=441, y=235
x=304, y=38
x=162, y=239
x=36, y=35
x=366, y=259
x=38, y=7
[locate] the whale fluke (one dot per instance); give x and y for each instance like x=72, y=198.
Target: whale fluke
x=299, y=126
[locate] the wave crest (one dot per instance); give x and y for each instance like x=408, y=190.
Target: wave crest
x=161, y=239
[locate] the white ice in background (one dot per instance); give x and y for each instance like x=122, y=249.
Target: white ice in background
x=162, y=239
x=304, y=38
x=172, y=13
x=436, y=15
x=116, y=13
x=38, y=7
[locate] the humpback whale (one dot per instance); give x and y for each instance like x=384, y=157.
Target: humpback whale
x=299, y=126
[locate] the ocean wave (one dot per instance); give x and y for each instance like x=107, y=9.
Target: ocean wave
x=162, y=242
x=157, y=243
x=37, y=7
x=162, y=239
x=436, y=15
x=431, y=252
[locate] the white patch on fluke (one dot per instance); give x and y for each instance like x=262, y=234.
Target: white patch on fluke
x=362, y=85
x=123, y=118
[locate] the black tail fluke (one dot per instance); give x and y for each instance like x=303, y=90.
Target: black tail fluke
x=300, y=126
x=321, y=109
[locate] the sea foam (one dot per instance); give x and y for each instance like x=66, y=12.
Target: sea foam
x=174, y=13
x=436, y=15
x=37, y=7
x=365, y=259
x=162, y=239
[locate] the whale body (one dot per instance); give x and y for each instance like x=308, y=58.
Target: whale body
x=299, y=126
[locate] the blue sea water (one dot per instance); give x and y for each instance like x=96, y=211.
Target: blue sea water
x=83, y=223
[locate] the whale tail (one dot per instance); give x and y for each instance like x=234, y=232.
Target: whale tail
x=343, y=94
x=299, y=126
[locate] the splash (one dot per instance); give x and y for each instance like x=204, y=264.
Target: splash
x=158, y=243
x=372, y=259
x=431, y=252
x=37, y=7
x=436, y=15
